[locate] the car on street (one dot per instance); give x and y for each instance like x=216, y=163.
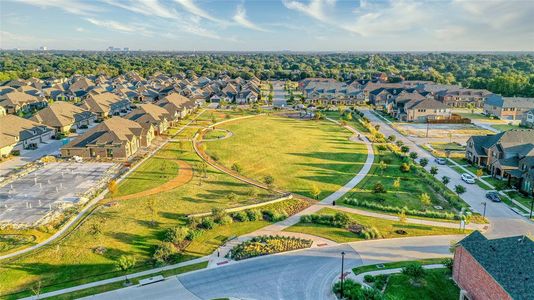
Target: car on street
x=468, y=178
x=441, y=161
x=493, y=196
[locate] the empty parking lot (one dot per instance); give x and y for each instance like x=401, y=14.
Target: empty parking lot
x=29, y=198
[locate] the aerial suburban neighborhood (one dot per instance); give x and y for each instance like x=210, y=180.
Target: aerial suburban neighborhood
x=286, y=149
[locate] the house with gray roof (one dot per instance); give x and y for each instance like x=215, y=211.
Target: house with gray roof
x=528, y=119
x=496, y=269
x=507, y=108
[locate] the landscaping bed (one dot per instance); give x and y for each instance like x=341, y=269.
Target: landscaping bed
x=264, y=245
x=367, y=227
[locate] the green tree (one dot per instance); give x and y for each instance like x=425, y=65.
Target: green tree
x=459, y=189
x=397, y=183
x=423, y=162
x=315, y=191
x=425, y=199
x=434, y=170
x=445, y=180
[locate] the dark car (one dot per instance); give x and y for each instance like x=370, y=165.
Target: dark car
x=493, y=196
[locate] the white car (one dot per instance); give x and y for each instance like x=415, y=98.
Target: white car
x=468, y=178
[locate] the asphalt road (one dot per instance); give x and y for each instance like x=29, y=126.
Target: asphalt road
x=279, y=94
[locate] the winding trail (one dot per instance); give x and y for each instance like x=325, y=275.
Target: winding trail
x=185, y=174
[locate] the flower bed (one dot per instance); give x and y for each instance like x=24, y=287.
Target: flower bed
x=264, y=245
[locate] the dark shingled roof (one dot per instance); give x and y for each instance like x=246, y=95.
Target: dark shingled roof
x=510, y=261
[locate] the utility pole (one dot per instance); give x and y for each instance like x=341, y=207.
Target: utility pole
x=342, y=271
x=484, y=203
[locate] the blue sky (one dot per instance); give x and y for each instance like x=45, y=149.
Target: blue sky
x=300, y=25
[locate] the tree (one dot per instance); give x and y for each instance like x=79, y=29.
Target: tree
x=377, y=127
x=152, y=209
x=413, y=155
x=315, y=191
x=125, y=263
x=177, y=235
x=434, y=170
x=397, y=183
x=236, y=168
x=399, y=143
x=402, y=216
x=348, y=117
x=382, y=166
x=112, y=188
x=96, y=228
x=268, y=180
x=479, y=173
x=405, y=149
x=459, y=189
x=445, y=180
x=423, y=162
x=471, y=107
x=405, y=167
x=425, y=199
x=392, y=138
x=379, y=188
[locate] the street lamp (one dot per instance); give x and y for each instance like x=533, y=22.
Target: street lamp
x=342, y=271
x=484, y=203
x=531, y=206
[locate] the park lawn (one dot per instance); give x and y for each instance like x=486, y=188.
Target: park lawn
x=447, y=146
x=298, y=154
x=214, y=134
x=526, y=201
x=12, y=240
x=386, y=228
x=408, y=193
x=438, y=286
x=396, y=265
x=188, y=132
x=117, y=285
x=126, y=229
x=474, y=116
x=354, y=122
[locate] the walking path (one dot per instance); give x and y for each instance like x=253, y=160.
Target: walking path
x=91, y=203
x=185, y=174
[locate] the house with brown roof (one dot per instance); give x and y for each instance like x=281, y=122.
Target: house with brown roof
x=177, y=105
x=114, y=138
x=423, y=110
x=64, y=117
x=150, y=115
x=16, y=101
x=17, y=133
x=508, y=155
x=106, y=105
x=461, y=97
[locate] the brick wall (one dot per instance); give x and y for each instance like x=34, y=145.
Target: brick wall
x=471, y=277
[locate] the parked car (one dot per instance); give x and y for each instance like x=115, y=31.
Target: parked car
x=468, y=178
x=441, y=161
x=493, y=196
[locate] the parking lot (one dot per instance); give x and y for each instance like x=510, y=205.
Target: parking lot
x=28, y=199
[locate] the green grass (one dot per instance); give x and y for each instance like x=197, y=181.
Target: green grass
x=437, y=285
x=386, y=228
x=447, y=146
x=526, y=201
x=504, y=127
x=12, y=240
x=117, y=285
x=408, y=193
x=298, y=154
x=396, y=265
x=354, y=122
x=126, y=229
x=475, y=116
x=214, y=134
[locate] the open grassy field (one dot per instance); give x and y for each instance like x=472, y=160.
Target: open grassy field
x=407, y=195
x=354, y=122
x=504, y=127
x=126, y=228
x=437, y=285
x=386, y=228
x=298, y=154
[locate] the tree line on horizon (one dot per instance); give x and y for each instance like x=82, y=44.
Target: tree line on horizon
x=509, y=74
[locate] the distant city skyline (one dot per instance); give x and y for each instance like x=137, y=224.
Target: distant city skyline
x=274, y=25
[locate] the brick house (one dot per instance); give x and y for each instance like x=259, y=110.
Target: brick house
x=507, y=108
x=495, y=269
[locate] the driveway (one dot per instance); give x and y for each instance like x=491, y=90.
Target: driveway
x=305, y=274
x=504, y=222
x=26, y=156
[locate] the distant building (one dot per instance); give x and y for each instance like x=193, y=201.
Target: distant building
x=43, y=48
x=507, y=108
x=528, y=119
x=497, y=269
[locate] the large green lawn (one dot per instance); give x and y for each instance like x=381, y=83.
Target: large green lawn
x=407, y=195
x=298, y=154
x=437, y=286
x=386, y=228
x=126, y=228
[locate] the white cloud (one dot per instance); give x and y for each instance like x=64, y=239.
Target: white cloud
x=71, y=6
x=80, y=29
x=315, y=8
x=498, y=14
x=398, y=16
x=240, y=18
x=194, y=9
x=114, y=25
x=146, y=7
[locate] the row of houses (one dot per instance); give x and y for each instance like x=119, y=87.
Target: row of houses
x=413, y=100
x=507, y=155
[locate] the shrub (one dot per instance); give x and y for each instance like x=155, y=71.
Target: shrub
x=193, y=234
x=340, y=220
x=226, y=220
x=240, y=216
x=236, y=168
x=379, y=188
x=177, y=234
x=264, y=245
x=254, y=214
x=445, y=180
x=380, y=282
x=207, y=223
x=214, y=156
x=423, y=162
x=405, y=149
x=381, y=147
x=371, y=233
x=448, y=262
x=405, y=167
x=396, y=209
x=415, y=271
x=413, y=155
x=392, y=138
x=369, y=278
x=164, y=253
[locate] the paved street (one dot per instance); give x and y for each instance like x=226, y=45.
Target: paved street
x=306, y=274
x=279, y=94
x=504, y=222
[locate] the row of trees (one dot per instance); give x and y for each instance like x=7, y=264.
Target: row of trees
x=507, y=74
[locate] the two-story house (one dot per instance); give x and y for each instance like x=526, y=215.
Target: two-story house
x=507, y=108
